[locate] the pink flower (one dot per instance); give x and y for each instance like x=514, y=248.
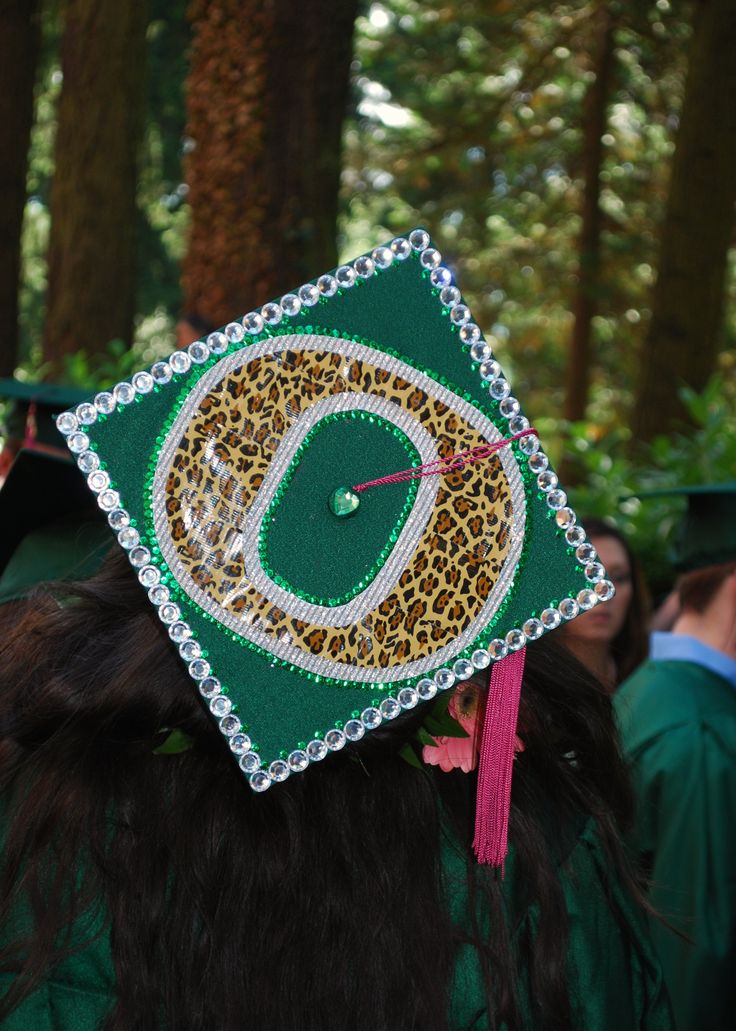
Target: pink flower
x=452, y=753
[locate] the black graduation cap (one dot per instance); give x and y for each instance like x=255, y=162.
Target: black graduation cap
x=706, y=535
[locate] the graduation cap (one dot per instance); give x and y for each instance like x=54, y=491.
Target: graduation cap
x=339, y=510
x=51, y=527
x=706, y=534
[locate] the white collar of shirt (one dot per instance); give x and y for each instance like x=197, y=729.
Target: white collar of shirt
x=683, y=648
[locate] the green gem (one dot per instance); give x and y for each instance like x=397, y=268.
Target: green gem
x=343, y=502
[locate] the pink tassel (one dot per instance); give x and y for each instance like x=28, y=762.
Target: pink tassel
x=493, y=801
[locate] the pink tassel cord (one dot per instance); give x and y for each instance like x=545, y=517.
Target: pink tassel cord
x=445, y=465
x=493, y=801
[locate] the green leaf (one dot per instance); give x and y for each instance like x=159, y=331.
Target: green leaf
x=408, y=754
x=175, y=742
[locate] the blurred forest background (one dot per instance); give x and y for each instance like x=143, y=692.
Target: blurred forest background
x=574, y=162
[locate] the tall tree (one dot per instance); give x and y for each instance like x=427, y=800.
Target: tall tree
x=267, y=94
x=585, y=303
x=20, y=35
x=91, y=286
x=687, y=311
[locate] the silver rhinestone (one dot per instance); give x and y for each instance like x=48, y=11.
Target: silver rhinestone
x=480, y=658
x=77, y=442
x=253, y=323
x=199, y=669
x=260, y=781
x=139, y=556
x=239, y=743
x=470, y=334
x=124, y=393
x=309, y=295
x=537, y=463
x=499, y=389
x=190, y=650
x=407, y=698
x=586, y=553
x=108, y=500
x=390, y=708
x=575, y=536
x=517, y=424
x=198, y=351
x=128, y=537
x=272, y=313
x=490, y=369
x=529, y=445
x=234, y=332
x=444, y=679
x=335, y=740
x=249, y=762
x=426, y=689
x=440, y=277
x=298, y=760
x=88, y=461
x=480, y=351
x=354, y=730
x=118, y=518
x=278, y=770
x=158, y=594
x=327, y=286
x=533, y=629
x=230, y=725
x=370, y=717
x=605, y=590
x=419, y=239
x=509, y=407
x=105, y=402
x=460, y=314
x=463, y=669
x=86, y=414
x=220, y=705
x=316, y=750
x=180, y=362
x=161, y=372
x=498, y=648
x=169, y=613
x=565, y=517
x=547, y=480
x=400, y=248
x=217, y=343
x=550, y=618
x=149, y=576
x=345, y=277
x=594, y=572
x=291, y=304
x=66, y=423
x=98, y=481
x=430, y=258
x=179, y=632
x=515, y=639
x=142, y=382
x=449, y=295
x=587, y=599
x=569, y=608
x=364, y=266
x=210, y=687
x=383, y=257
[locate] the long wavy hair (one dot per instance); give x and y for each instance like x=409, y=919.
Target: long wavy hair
x=321, y=904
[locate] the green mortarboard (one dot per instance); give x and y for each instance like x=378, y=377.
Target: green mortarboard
x=31, y=415
x=229, y=475
x=706, y=534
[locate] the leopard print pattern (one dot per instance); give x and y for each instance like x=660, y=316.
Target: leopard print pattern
x=221, y=461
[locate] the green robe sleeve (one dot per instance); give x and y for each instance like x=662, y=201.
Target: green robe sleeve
x=685, y=780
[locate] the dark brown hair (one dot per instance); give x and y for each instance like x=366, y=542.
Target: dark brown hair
x=698, y=588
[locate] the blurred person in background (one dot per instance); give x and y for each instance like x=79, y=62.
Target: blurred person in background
x=611, y=639
x=677, y=715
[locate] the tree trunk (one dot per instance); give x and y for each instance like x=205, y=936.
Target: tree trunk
x=585, y=304
x=683, y=339
x=20, y=34
x=267, y=94
x=91, y=292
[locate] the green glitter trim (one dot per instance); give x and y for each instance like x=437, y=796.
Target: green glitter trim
x=413, y=486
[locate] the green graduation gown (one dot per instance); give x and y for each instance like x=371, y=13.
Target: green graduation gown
x=614, y=978
x=678, y=725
